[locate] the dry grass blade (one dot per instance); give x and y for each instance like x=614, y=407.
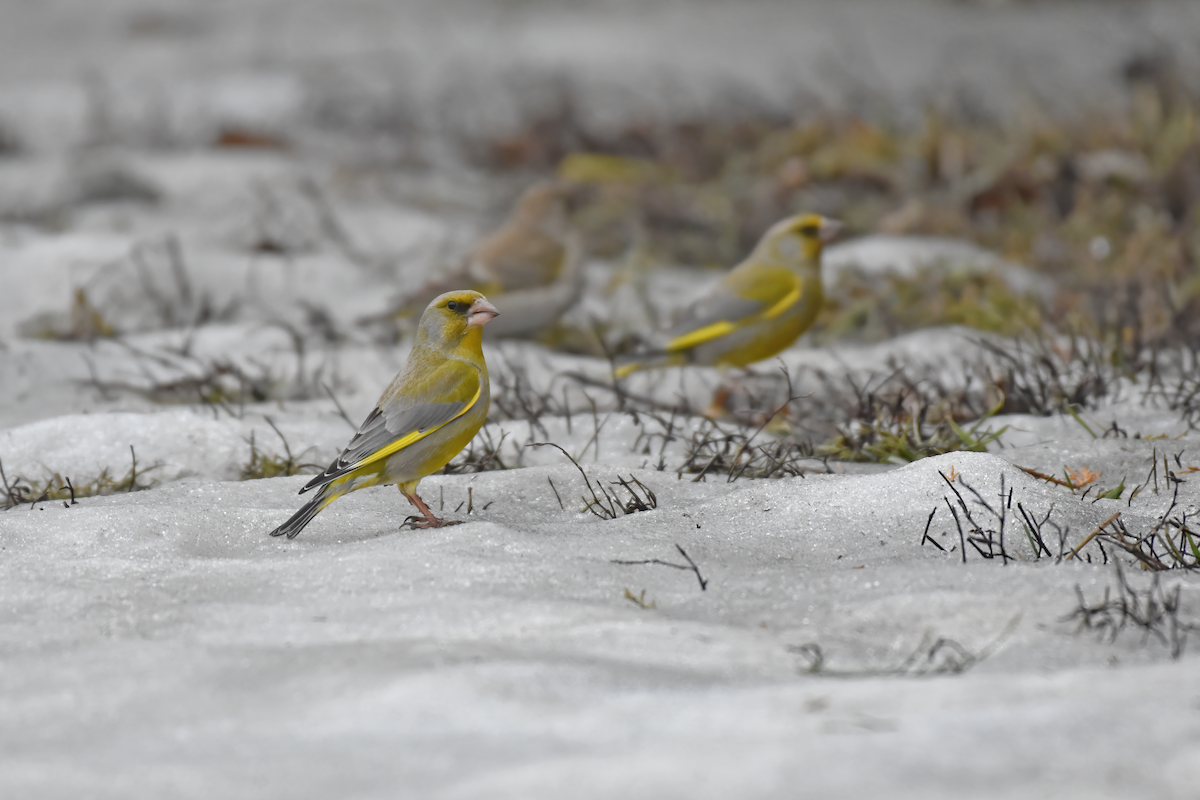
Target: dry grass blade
x=606, y=503
x=1153, y=610
x=940, y=656
x=690, y=566
x=20, y=490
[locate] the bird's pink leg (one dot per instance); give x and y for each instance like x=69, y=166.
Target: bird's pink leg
x=428, y=520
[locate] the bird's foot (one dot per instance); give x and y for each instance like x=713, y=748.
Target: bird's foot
x=416, y=522
x=427, y=519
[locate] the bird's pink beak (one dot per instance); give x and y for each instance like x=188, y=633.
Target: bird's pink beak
x=481, y=313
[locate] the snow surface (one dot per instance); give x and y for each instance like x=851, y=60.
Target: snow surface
x=159, y=644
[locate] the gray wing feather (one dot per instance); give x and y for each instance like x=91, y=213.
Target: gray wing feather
x=712, y=308
x=380, y=429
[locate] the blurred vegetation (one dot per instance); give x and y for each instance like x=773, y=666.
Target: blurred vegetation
x=1094, y=221
x=1101, y=212
x=900, y=436
x=18, y=489
x=863, y=307
x=1106, y=206
x=273, y=465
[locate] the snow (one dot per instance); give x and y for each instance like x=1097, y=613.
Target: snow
x=158, y=643
x=266, y=667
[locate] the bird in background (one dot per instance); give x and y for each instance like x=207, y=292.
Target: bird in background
x=426, y=415
x=754, y=312
x=532, y=265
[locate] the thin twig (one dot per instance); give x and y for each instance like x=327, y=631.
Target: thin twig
x=1043, y=476
x=8, y=492
x=925, y=536
x=556, y=497
x=689, y=567
x=341, y=411
x=1091, y=536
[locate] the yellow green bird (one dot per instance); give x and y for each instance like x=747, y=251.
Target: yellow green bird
x=756, y=311
x=426, y=415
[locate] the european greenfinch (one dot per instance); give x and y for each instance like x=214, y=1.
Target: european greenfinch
x=426, y=415
x=756, y=311
x=532, y=265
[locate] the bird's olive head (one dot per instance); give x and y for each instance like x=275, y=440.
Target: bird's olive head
x=452, y=315
x=801, y=237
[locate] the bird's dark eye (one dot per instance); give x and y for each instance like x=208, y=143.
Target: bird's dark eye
x=452, y=305
x=810, y=231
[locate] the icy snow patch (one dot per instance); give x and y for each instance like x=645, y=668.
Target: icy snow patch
x=502, y=658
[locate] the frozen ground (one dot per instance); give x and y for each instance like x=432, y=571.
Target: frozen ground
x=159, y=644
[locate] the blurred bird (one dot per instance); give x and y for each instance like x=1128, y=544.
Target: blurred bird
x=754, y=312
x=532, y=265
x=426, y=415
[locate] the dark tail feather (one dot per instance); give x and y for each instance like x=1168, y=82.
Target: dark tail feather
x=302, y=517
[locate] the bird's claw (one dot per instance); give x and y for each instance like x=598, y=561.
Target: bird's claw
x=416, y=522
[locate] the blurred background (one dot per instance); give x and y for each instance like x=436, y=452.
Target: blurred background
x=1024, y=169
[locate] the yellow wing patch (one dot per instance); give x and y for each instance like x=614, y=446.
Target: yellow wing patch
x=723, y=327
x=627, y=370
x=789, y=300
x=700, y=335
x=414, y=436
